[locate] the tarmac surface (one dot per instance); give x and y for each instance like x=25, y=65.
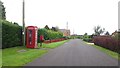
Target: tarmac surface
x=74, y=53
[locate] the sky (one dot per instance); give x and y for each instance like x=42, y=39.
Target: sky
x=82, y=15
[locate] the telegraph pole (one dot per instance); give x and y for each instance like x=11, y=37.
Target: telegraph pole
x=67, y=25
x=67, y=28
x=23, y=20
x=73, y=31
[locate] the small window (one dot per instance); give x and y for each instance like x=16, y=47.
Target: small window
x=30, y=36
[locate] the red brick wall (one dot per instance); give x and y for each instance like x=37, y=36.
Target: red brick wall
x=53, y=40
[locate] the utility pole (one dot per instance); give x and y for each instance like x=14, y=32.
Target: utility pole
x=23, y=20
x=67, y=28
x=67, y=25
x=118, y=47
x=73, y=31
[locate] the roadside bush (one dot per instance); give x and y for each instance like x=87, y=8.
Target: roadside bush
x=79, y=37
x=49, y=34
x=87, y=39
x=11, y=34
x=42, y=32
x=107, y=42
x=66, y=37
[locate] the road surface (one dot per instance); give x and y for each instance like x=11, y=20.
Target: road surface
x=74, y=53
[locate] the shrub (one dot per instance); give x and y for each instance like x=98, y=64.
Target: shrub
x=79, y=37
x=107, y=42
x=66, y=37
x=11, y=34
x=49, y=34
x=87, y=39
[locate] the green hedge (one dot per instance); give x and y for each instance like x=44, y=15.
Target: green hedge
x=11, y=34
x=87, y=39
x=49, y=34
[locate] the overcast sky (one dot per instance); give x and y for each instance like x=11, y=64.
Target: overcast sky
x=81, y=15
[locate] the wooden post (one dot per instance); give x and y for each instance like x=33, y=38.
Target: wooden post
x=24, y=23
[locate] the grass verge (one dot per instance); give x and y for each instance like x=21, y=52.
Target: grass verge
x=20, y=55
x=107, y=51
x=0, y=58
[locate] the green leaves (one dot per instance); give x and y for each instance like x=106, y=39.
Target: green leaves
x=98, y=30
x=49, y=34
x=11, y=34
x=2, y=11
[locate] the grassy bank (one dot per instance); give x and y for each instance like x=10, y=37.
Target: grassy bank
x=0, y=58
x=20, y=55
x=107, y=51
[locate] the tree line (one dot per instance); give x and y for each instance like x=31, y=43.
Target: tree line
x=2, y=11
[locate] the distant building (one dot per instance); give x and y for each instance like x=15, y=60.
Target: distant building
x=116, y=32
x=74, y=35
x=66, y=32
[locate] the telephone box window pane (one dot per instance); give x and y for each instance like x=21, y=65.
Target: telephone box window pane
x=30, y=36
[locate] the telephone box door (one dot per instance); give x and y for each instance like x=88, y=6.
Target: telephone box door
x=31, y=37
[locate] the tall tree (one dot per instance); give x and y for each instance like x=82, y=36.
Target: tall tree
x=46, y=27
x=16, y=23
x=107, y=33
x=2, y=11
x=98, y=30
x=85, y=34
x=55, y=28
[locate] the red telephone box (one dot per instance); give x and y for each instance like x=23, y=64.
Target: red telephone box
x=31, y=37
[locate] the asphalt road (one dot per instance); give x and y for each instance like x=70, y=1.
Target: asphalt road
x=74, y=53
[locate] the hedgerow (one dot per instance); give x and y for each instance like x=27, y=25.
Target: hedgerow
x=49, y=34
x=107, y=42
x=11, y=34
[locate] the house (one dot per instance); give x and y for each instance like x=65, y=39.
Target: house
x=66, y=32
x=114, y=33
